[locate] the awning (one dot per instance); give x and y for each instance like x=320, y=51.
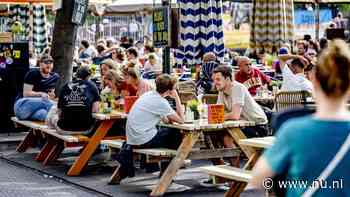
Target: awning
x=128, y=6
x=49, y=2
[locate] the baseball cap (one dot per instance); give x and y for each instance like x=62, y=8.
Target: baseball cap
x=83, y=72
x=283, y=51
x=46, y=59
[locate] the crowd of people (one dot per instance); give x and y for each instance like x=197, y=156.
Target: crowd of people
x=320, y=68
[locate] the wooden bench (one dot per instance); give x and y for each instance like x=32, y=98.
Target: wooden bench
x=55, y=142
x=154, y=155
x=239, y=176
x=159, y=152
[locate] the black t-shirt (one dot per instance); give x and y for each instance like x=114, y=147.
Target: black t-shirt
x=41, y=84
x=76, y=102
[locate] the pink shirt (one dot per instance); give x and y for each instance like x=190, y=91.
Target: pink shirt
x=143, y=88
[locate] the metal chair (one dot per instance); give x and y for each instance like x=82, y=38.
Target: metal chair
x=290, y=99
x=187, y=96
x=210, y=98
x=187, y=86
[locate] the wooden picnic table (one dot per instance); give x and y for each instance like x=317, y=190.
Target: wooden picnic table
x=107, y=121
x=258, y=145
x=191, y=133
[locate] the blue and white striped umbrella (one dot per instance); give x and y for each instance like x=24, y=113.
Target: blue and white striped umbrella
x=201, y=30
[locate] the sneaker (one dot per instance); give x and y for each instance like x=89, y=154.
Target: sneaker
x=210, y=183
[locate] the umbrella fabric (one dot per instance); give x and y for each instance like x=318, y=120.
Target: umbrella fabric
x=272, y=24
x=39, y=28
x=201, y=30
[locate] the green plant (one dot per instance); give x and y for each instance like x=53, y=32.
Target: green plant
x=193, y=104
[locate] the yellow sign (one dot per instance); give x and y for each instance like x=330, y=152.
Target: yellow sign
x=17, y=54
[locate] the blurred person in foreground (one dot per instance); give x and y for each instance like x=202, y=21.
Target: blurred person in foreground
x=296, y=152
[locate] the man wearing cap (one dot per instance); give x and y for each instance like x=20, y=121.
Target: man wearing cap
x=39, y=86
x=77, y=101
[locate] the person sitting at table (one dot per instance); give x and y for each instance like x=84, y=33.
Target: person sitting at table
x=132, y=56
x=205, y=82
x=141, y=126
x=132, y=78
x=39, y=86
x=108, y=64
x=293, y=75
x=238, y=102
x=152, y=64
x=302, y=47
x=76, y=103
x=249, y=76
x=105, y=66
x=295, y=154
x=118, y=56
x=115, y=82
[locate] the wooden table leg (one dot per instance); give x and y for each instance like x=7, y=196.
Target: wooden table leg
x=28, y=140
x=90, y=148
x=236, y=189
x=237, y=135
x=45, y=151
x=252, y=160
x=182, y=152
x=56, y=150
x=115, y=178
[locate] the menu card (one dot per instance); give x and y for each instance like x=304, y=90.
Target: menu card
x=216, y=114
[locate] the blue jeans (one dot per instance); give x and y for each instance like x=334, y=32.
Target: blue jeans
x=32, y=108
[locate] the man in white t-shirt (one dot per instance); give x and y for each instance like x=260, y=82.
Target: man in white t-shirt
x=146, y=113
x=293, y=74
x=239, y=104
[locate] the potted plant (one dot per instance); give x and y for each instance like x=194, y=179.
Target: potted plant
x=193, y=106
x=107, y=101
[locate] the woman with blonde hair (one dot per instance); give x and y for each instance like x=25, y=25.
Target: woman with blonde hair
x=315, y=147
x=114, y=81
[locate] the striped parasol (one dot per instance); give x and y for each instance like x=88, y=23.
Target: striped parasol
x=39, y=28
x=272, y=24
x=201, y=30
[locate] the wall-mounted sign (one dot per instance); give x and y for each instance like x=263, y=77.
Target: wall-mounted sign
x=161, y=27
x=79, y=11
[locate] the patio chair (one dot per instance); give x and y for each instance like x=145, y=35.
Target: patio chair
x=187, y=86
x=209, y=98
x=186, y=96
x=290, y=99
